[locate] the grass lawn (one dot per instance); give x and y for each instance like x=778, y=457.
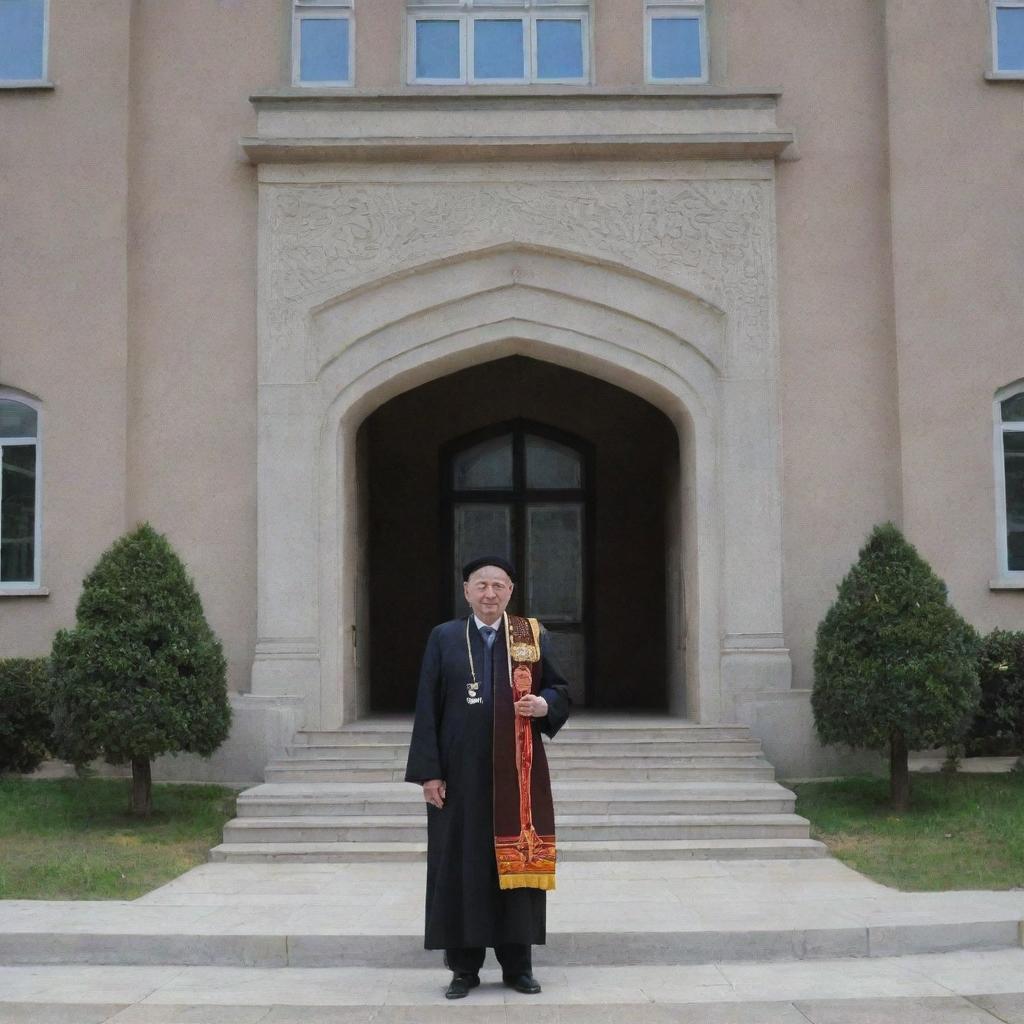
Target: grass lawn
x=962, y=831
x=76, y=839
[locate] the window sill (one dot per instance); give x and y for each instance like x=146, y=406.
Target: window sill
x=1007, y=583
x=27, y=86
x=1004, y=76
x=24, y=592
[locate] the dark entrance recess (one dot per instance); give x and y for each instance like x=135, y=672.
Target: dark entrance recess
x=447, y=464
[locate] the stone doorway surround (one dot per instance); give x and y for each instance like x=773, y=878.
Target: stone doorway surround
x=628, y=235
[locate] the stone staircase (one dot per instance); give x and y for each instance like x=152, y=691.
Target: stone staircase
x=626, y=787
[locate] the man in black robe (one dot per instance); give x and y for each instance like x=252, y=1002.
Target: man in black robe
x=450, y=756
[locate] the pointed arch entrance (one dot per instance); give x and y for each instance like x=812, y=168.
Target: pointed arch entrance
x=335, y=356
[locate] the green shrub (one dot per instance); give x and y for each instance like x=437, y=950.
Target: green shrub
x=895, y=666
x=26, y=731
x=998, y=728
x=141, y=674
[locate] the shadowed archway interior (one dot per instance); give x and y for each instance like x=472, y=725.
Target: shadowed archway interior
x=633, y=473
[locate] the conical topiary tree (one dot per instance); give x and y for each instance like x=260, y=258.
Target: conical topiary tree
x=894, y=664
x=142, y=673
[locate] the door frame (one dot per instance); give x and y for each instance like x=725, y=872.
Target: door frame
x=519, y=497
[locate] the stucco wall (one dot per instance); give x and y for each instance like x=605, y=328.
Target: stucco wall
x=192, y=371
x=839, y=423
x=130, y=268
x=958, y=230
x=63, y=298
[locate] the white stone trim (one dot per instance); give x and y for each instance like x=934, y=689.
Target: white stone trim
x=375, y=279
x=470, y=124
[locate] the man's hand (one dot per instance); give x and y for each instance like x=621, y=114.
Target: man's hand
x=433, y=792
x=531, y=706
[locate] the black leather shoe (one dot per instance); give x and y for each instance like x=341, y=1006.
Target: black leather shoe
x=461, y=984
x=523, y=983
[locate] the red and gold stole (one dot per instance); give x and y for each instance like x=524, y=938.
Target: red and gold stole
x=524, y=816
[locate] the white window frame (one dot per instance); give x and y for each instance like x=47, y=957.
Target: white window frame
x=553, y=14
x=995, y=71
x=1003, y=570
x=491, y=15
x=451, y=15
x=20, y=586
x=526, y=11
x=692, y=10
x=309, y=9
x=44, y=77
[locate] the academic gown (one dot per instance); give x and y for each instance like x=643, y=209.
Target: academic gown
x=453, y=741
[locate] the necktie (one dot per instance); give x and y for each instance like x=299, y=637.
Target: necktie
x=488, y=634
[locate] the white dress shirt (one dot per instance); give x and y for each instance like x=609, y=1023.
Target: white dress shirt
x=480, y=624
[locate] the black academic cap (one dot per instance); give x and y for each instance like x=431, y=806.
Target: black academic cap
x=496, y=560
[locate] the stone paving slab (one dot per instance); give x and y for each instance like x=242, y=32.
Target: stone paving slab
x=957, y=988
x=949, y=1010
x=323, y=915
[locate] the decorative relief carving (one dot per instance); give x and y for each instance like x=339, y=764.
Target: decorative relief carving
x=711, y=236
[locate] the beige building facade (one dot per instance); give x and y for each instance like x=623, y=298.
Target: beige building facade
x=672, y=327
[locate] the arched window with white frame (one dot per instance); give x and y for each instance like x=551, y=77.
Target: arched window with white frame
x=1009, y=452
x=19, y=492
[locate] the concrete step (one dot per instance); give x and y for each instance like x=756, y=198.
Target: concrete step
x=492, y=1003
x=963, y=987
x=556, y=751
x=752, y=770
x=298, y=799
x=612, y=732
x=569, y=827
x=576, y=850
x=640, y=761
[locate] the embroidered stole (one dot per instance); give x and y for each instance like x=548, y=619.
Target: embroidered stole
x=524, y=817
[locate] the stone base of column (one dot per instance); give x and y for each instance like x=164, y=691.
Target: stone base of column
x=291, y=668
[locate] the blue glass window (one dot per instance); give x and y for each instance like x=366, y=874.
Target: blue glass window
x=437, y=49
x=1010, y=38
x=498, y=48
x=675, y=48
x=21, y=40
x=324, y=49
x=559, y=48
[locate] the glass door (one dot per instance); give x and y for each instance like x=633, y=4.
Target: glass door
x=523, y=491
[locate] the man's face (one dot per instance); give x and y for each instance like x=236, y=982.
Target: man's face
x=488, y=591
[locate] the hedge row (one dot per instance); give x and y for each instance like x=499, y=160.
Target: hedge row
x=998, y=728
x=26, y=729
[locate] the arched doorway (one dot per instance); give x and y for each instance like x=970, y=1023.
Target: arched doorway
x=335, y=350
x=573, y=478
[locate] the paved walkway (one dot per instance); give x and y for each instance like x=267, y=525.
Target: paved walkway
x=950, y=988
x=618, y=913
x=653, y=942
